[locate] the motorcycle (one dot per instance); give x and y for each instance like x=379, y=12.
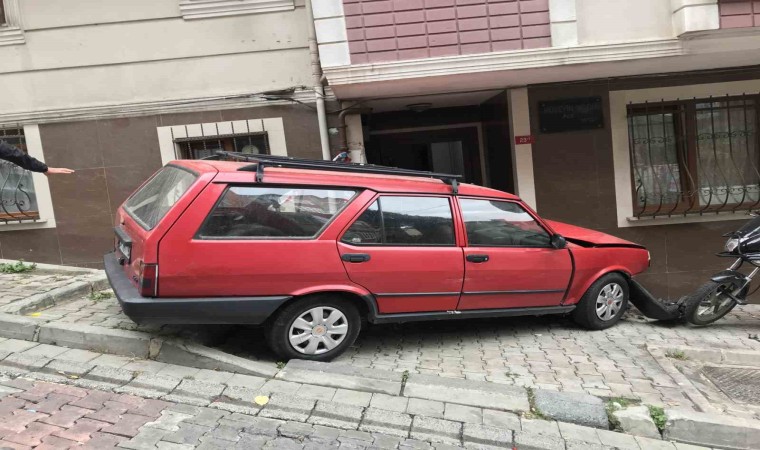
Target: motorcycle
x=728, y=288
x=716, y=298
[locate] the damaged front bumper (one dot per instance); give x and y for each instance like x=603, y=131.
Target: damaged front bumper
x=653, y=307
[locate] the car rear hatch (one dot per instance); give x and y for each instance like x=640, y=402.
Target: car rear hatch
x=146, y=216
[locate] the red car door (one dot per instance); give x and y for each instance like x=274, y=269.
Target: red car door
x=403, y=249
x=509, y=260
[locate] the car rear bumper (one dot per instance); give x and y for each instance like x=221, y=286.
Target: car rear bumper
x=199, y=310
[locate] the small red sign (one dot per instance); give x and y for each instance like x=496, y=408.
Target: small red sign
x=520, y=140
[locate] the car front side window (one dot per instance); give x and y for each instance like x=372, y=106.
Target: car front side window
x=494, y=223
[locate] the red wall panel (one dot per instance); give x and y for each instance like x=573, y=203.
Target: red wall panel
x=739, y=13
x=394, y=30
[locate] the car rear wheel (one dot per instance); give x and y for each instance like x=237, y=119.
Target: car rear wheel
x=317, y=328
x=603, y=304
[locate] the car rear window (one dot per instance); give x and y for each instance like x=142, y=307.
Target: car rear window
x=274, y=212
x=151, y=203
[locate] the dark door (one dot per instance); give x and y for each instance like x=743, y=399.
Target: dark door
x=455, y=150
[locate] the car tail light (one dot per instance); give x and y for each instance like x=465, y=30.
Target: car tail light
x=148, y=283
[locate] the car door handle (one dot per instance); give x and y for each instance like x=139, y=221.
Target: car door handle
x=355, y=257
x=477, y=258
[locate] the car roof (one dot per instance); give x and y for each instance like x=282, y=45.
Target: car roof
x=228, y=172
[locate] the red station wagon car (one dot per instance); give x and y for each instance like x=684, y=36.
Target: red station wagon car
x=311, y=249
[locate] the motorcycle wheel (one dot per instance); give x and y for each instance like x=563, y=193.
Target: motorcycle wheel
x=709, y=304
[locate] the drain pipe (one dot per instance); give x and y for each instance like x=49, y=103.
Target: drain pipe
x=318, y=79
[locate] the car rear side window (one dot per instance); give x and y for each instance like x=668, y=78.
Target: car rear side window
x=401, y=220
x=151, y=203
x=274, y=212
x=492, y=223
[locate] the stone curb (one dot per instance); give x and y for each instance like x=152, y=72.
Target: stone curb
x=719, y=355
x=183, y=353
x=343, y=376
x=481, y=394
x=99, y=339
x=638, y=421
x=128, y=343
x=55, y=296
x=572, y=407
x=711, y=430
x=54, y=267
x=680, y=379
x=18, y=327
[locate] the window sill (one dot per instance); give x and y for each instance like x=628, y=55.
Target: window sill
x=29, y=224
x=689, y=218
x=203, y=9
x=11, y=35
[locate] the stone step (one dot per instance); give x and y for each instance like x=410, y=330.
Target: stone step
x=711, y=429
x=344, y=376
x=482, y=394
x=573, y=407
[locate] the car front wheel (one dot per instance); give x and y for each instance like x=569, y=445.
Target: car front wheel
x=603, y=304
x=317, y=328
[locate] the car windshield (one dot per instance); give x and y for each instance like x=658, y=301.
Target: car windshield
x=151, y=203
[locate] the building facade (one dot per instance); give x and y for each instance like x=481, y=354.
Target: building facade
x=634, y=117
x=114, y=91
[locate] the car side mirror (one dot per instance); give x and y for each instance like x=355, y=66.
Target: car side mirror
x=558, y=241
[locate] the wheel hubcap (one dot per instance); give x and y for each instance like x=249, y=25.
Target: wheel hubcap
x=318, y=330
x=609, y=301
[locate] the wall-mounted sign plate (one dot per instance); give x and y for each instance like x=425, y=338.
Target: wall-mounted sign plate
x=570, y=114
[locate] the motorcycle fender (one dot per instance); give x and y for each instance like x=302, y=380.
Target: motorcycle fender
x=729, y=276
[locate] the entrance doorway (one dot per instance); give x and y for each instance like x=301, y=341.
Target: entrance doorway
x=452, y=150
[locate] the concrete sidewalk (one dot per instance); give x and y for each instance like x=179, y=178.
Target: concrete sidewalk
x=54, y=397
x=45, y=284
x=531, y=368
x=547, y=352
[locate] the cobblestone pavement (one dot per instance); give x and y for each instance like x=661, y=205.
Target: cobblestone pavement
x=18, y=286
x=56, y=398
x=544, y=352
x=51, y=416
x=552, y=353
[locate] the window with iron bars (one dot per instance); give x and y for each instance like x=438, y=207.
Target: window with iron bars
x=697, y=156
x=205, y=146
x=18, y=200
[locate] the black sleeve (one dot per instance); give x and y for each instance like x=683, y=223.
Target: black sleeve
x=16, y=156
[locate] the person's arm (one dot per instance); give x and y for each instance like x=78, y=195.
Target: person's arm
x=14, y=155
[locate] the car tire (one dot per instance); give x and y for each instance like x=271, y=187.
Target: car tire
x=603, y=304
x=287, y=333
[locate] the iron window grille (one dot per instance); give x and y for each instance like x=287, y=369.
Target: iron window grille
x=697, y=156
x=18, y=200
x=204, y=146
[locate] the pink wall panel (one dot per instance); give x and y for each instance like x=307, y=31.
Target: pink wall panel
x=394, y=30
x=739, y=13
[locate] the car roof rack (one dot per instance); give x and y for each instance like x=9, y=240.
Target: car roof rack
x=262, y=161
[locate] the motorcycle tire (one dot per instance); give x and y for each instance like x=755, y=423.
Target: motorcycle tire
x=702, y=295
